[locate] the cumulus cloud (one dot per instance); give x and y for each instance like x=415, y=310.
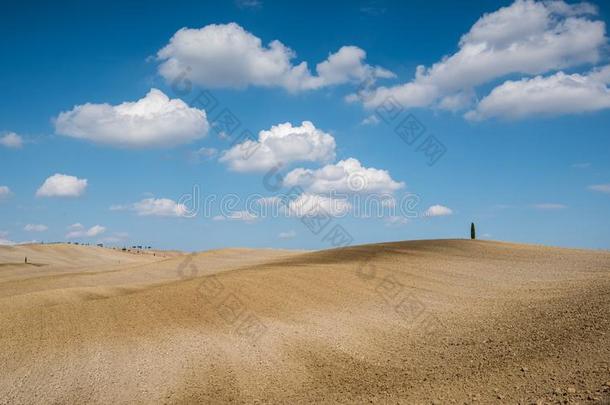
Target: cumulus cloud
x=11, y=140
x=5, y=192
x=345, y=176
x=77, y=231
x=552, y=95
x=438, y=211
x=314, y=205
x=156, y=207
x=527, y=37
x=283, y=143
x=62, y=185
x=35, y=228
x=226, y=55
x=346, y=65
x=602, y=188
x=153, y=121
x=95, y=230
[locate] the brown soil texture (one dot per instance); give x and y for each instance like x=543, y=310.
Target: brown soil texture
x=438, y=321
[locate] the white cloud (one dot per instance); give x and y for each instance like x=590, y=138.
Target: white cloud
x=312, y=205
x=226, y=55
x=370, y=120
x=552, y=95
x=396, y=220
x=62, y=185
x=153, y=121
x=602, y=188
x=283, y=144
x=287, y=235
x=11, y=140
x=346, y=66
x=438, y=211
x=585, y=165
x=345, y=176
x=549, y=206
x=388, y=202
x=458, y=101
x=95, y=230
x=157, y=207
x=77, y=231
x=5, y=192
x=35, y=228
x=244, y=216
x=527, y=37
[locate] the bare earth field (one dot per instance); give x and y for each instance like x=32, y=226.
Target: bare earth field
x=443, y=321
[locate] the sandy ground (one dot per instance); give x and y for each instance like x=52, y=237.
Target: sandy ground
x=446, y=321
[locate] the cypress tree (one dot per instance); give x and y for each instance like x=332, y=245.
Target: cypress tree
x=472, y=231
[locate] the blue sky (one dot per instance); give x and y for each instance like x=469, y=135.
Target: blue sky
x=515, y=92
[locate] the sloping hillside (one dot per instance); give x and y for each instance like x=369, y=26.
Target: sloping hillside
x=409, y=322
